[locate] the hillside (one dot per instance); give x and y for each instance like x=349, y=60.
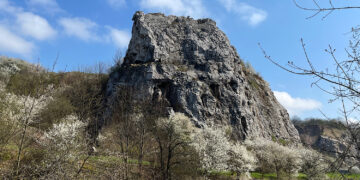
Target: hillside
x=48, y=122
x=183, y=105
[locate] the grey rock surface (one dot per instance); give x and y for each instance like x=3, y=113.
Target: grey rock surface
x=192, y=65
x=332, y=141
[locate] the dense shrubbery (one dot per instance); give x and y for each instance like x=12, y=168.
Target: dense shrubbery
x=42, y=133
x=287, y=161
x=313, y=164
x=272, y=157
x=55, y=111
x=333, y=123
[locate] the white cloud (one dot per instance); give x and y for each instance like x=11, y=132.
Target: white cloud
x=48, y=5
x=27, y=23
x=5, y=6
x=35, y=26
x=119, y=37
x=353, y=120
x=116, y=3
x=87, y=30
x=81, y=28
x=11, y=43
x=193, y=8
x=296, y=106
x=252, y=15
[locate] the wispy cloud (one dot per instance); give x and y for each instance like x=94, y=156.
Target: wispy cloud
x=116, y=3
x=296, y=106
x=120, y=38
x=19, y=24
x=193, y=8
x=89, y=31
x=12, y=43
x=81, y=28
x=27, y=23
x=35, y=26
x=47, y=5
x=246, y=12
x=6, y=6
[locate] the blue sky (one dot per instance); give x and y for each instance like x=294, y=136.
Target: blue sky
x=84, y=32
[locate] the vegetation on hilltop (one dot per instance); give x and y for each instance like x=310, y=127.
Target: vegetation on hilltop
x=332, y=123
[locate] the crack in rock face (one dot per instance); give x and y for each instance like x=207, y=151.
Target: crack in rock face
x=192, y=65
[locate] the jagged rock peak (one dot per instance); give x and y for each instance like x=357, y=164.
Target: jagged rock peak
x=192, y=65
x=157, y=37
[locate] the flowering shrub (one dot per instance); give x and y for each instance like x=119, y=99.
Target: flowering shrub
x=64, y=145
x=213, y=147
x=273, y=157
x=65, y=134
x=218, y=153
x=241, y=160
x=313, y=164
x=177, y=122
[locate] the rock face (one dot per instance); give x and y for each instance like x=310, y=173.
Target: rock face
x=331, y=140
x=192, y=65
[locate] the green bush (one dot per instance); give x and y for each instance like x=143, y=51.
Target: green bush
x=333, y=123
x=85, y=93
x=31, y=83
x=53, y=112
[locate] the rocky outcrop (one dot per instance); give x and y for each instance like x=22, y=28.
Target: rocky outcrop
x=328, y=137
x=192, y=65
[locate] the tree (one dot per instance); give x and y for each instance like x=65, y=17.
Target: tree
x=173, y=137
x=33, y=87
x=8, y=124
x=213, y=147
x=341, y=81
x=313, y=164
x=241, y=160
x=64, y=146
x=144, y=124
x=123, y=116
x=319, y=8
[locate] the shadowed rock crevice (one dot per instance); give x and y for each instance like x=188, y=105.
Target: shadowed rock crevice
x=244, y=124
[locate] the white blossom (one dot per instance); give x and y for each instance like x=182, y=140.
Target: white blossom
x=241, y=160
x=273, y=157
x=213, y=147
x=64, y=134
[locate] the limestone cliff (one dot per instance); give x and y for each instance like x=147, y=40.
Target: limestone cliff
x=192, y=65
x=329, y=137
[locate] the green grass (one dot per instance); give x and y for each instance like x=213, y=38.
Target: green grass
x=182, y=68
x=302, y=176
x=271, y=176
x=283, y=142
x=257, y=175
x=338, y=175
x=254, y=84
x=280, y=141
x=221, y=173
x=114, y=159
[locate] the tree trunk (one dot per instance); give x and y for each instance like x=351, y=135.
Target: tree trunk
x=141, y=149
x=168, y=162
